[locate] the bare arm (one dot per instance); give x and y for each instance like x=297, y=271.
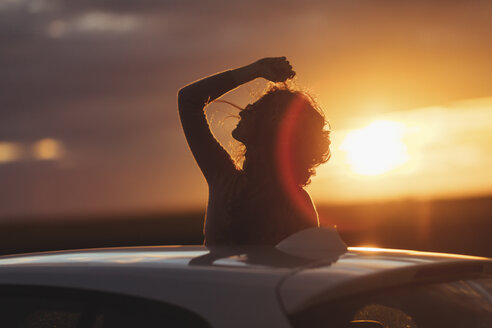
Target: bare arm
x=211, y=157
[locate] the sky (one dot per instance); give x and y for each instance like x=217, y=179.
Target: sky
x=88, y=116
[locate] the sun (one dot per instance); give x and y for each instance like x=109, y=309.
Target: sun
x=375, y=149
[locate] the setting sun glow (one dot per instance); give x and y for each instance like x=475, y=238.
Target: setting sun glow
x=376, y=148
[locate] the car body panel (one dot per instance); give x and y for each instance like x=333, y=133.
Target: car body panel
x=363, y=269
x=257, y=286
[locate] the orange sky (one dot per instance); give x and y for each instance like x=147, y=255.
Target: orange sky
x=89, y=118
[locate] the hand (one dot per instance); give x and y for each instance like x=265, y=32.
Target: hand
x=275, y=69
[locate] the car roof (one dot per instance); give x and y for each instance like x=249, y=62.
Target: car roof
x=354, y=263
x=298, y=277
x=298, y=250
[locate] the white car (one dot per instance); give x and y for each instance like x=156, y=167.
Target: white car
x=309, y=280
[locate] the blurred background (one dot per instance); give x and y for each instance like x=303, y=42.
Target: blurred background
x=92, y=152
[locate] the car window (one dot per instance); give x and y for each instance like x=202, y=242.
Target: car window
x=38, y=311
x=386, y=315
x=452, y=304
x=39, y=307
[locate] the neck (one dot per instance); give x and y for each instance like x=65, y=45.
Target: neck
x=259, y=165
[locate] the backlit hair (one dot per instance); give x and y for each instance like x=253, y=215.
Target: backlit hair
x=290, y=126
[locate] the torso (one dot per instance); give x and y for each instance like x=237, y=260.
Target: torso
x=244, y=212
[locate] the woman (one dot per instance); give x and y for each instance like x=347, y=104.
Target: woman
x=285, y=139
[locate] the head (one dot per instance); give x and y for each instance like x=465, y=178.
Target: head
x=284, y=128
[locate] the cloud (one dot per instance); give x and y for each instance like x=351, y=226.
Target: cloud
x=93, y=22
x=30, y=6
x=10, y=152
x=43, y=149
x=48, y=149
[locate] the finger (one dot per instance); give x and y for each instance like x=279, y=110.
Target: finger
x=281, y=60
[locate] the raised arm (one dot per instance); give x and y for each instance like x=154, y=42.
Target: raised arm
x=211, y=157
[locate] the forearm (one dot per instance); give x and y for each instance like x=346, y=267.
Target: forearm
x=212, y=87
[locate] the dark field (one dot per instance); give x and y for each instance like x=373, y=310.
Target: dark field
x=458, y=226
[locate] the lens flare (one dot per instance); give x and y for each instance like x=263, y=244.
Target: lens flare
x=285, y=159
x=376, y=149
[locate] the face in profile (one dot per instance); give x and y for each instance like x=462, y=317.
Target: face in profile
x=245, y=124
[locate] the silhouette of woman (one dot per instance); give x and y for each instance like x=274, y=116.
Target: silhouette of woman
x=285, y=139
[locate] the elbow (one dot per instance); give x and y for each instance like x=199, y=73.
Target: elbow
x=187, y=98
x=182, y=92
x=181, y=95
x=184, y=98
x=181, y=99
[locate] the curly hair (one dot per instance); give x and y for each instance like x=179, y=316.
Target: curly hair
x=289, y=125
